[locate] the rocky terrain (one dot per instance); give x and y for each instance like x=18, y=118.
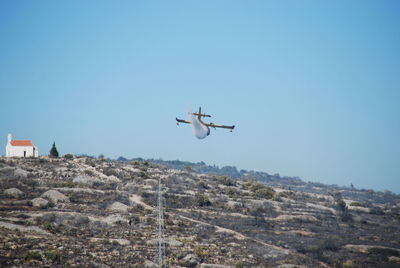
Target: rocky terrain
x=88, y=212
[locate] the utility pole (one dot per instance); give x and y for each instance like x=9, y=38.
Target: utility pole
x=160, y=223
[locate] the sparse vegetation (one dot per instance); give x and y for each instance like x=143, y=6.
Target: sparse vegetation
x=33, y=255
x=53, y=256
x=208, y=218
x=264, y=192
x=357, y=204
x=202, y=200
x=89, y=172
x=348, y=264
x=227, y=181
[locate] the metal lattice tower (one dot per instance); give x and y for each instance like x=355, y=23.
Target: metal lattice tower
x=160, y=223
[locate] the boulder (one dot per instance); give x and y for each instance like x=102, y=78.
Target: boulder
x=150, y=264
x=190, y=260
x=209, y=265
x=114, y=219
x=291, y=266
x=151, y=182
x=62, y=171
x=303, y=218
x=118, y=207
x=55, y=196
x=130, y=186
x=86, y=180
x=168, y=241
x=19, y=172
x=13, y=192
x=121, y=242
x=39, y=202
x=173, y=242
x=112, y=178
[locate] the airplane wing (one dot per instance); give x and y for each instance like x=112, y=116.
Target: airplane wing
x=219, y=126
x=182, y=121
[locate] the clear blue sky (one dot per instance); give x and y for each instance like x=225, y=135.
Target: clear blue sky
x=313, y=87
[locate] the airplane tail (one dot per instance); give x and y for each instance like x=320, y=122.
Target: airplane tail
x=200, y=115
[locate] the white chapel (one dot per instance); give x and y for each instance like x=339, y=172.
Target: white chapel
x=20, y=148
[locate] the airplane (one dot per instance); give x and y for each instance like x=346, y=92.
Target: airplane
x=199, y=117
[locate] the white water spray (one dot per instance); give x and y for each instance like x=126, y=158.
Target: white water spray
x=199, y=130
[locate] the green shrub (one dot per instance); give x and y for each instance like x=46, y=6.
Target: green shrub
x=89, y=172
x=201, y=200
x=48, y=226
x=200, y=251
x=203, y=185
x=239, y=265
x=341, y=205
x=330, y=244
x=287, y=194
x=348, y=264
x=69, y=156
x=33, y=255
x=264, y=192
x=357, y=204
x=227, y=181
x=90, y=162
x=346, y=216
x=53, y=255
x=231, y=192
x=376, y=211
x=383, y=251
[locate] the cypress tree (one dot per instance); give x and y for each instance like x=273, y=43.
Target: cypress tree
x=53, y=151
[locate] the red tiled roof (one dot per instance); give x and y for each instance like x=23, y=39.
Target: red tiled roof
x=21, y=143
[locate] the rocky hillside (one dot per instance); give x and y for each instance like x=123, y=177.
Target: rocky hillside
x=87, y=212
x=276, y=180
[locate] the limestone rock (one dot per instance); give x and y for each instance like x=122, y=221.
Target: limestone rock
x=113, y=178
x=86, y=180
x=208, y=265
x=13, y=192
x=150, y=264
x=169, y=241
x=114, y=219
x=19, y=172
x=173, y=242
x=121, y=242
x=151, y=182
x=39, y=202
x=291, y=266
x=303, y=218
x=55, y=196
x=118, y=207
x=190, y=260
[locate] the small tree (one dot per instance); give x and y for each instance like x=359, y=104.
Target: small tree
x=53, y=151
